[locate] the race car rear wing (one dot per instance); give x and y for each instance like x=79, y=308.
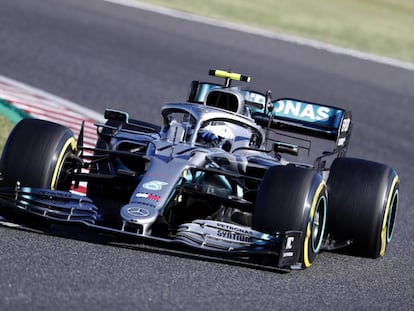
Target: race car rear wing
x=307, y=118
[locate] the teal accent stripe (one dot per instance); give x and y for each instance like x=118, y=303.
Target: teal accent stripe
x=12, y=113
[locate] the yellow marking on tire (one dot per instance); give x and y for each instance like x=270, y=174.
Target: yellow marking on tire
x=306, y=260
x=384, y=227
x=71, y=141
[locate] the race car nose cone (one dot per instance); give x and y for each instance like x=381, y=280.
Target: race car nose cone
x=136, y=214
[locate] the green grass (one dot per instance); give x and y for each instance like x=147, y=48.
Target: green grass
x=383, y=27
x=5, y=128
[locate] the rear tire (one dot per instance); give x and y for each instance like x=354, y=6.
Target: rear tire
x=363, y=200
x=36, y=154
x=292, y=198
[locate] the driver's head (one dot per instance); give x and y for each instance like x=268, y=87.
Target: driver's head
x=220, y=129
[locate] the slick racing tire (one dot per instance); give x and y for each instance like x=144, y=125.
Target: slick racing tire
x=363, y=203
x=293, y=198
x=37, y=154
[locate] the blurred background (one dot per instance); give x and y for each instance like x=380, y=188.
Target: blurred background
x=381, y=27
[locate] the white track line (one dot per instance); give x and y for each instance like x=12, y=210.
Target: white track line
x=268, y=34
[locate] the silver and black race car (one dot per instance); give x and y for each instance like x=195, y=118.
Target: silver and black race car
x=220, y=177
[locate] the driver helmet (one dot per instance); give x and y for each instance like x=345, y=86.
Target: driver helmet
x=221, y=129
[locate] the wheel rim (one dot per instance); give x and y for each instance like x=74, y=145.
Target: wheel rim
x=318, y=225
x=62, y=183
x=61, y=165
x=391, y=216
x=387, y=227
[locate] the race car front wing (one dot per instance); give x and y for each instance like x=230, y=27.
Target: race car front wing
x=207, y=236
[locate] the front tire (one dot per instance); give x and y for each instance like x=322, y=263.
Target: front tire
x=363, y=197
x=293, y=198
x=37, y=155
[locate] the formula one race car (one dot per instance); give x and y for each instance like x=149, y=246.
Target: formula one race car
x=214, y=179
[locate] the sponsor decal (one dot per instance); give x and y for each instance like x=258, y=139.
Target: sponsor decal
x=154, y=185
x=234, y=233
x=345, y=125
x=308, y=112
x=52, y=194
x=288, y=251
x=288, y=254
x=255, y=97
x=233, y=228
x=341, y=141
x=289, y=242
x=148, y=196
x=301, y=110
x=234, y=236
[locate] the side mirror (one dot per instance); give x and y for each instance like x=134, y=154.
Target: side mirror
x=111, y=114
x=280, y=147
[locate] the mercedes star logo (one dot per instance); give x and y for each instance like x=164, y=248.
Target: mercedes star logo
x=138, y=211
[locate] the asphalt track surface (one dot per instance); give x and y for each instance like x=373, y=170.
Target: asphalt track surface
x=103, y=55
